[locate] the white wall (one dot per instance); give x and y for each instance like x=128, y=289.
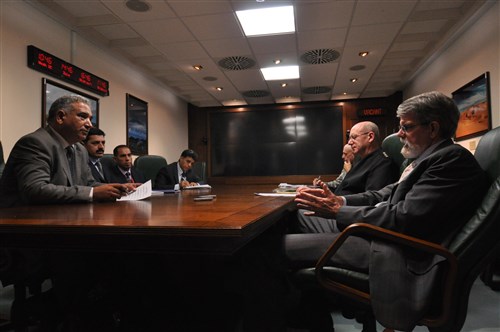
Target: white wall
x=475, y=51
x=21, y=86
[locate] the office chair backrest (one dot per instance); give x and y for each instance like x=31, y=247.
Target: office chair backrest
x=149, y=165
x=392, y=145
x=478, y=243
x=200, y=169
x=107, y=160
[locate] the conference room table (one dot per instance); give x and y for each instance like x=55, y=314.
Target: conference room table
x=192, y=244
x=170, y=223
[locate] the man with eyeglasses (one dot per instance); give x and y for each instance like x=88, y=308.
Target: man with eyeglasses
x=432, y=202
x=373, y=170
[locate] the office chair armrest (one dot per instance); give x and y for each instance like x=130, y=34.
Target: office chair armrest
x=370, y=231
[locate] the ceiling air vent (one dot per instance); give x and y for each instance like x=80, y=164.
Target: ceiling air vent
x=255, y=93
x=210, y=78
x=236, y=63
x=316, y=90
x=322, y=55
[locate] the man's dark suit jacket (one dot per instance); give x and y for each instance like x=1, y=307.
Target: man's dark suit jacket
x=168, y=177
x=38, y=172
x=373, y=172
x=432, y=203
x=114, y=175
x=95, y=173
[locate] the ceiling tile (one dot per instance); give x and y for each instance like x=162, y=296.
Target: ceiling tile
x=379, y=12
x=116, y=31
x=372, y=34
x=323, y=15
x=182, y=51
x=273, y=44
x=316, y=39
x=217, y=26
x=220, y=48
x=200, y=7
x=163, y=31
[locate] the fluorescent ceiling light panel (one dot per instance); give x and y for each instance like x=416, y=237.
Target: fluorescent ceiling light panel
x=280, y=73
x=267, y=21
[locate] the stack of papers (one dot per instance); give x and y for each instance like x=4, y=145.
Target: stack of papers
x=283, y=190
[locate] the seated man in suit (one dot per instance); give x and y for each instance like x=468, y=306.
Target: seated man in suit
x=123, y=171
x=178, y=175
x=373, y=170
x=349, y=159
x=94, y=143
x=47, y=166
x=434, y=197
x=50, y=166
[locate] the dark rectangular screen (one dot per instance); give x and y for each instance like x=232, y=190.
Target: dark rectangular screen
x=276, y=142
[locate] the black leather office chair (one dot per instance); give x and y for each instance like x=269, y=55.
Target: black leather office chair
x=392, y=145
x=149, y=165
x=200, y=169
x=472, y=249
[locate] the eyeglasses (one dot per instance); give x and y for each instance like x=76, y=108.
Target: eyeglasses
x=354, y=136
x=407, y=128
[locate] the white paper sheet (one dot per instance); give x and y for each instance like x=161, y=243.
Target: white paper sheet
x=141, y=192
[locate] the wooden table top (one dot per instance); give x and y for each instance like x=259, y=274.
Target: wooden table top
x=171, y=222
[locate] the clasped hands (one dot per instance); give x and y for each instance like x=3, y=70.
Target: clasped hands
x=320, y=201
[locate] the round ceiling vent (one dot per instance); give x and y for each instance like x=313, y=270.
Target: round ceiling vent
x=138, y=5
x=357, y=67
x=256, y=93
x=316, y=90
x=210, y=78
x=319, y=56
x=236, y=63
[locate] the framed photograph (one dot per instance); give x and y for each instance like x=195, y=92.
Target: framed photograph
x=137, y=125
x=53, y=90
x=474, y=103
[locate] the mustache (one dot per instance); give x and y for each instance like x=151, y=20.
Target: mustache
x=100, y=150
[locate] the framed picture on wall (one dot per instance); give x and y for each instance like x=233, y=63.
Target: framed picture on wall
x=137, y=125
x=474, y=103
x=53, y=90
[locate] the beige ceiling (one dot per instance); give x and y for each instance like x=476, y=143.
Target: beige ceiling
x=174, y=35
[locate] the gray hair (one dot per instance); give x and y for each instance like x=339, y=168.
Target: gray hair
x=65, y=103
x=433, y=106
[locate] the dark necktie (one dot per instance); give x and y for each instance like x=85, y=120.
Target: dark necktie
x=99, y=169
x=183, y=177
x=129, y=177
x=70, y=154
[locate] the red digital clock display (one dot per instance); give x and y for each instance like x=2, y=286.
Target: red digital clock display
x=52, y=65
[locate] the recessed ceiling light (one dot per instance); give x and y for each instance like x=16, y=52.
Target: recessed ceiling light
x=345, y=93
x=363, y=54
x=219, y=88
x=283, y=85
x=267, y=21
x=353, y=80
x=198, y=67
x=277, y=61
x=280, y=73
